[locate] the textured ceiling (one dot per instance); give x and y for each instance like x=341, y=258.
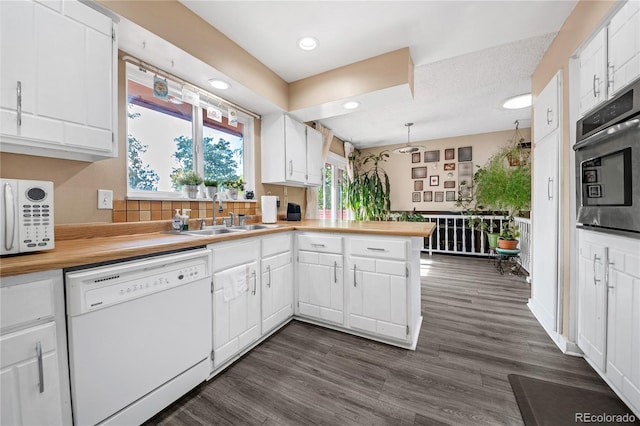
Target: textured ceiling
x=469, y=55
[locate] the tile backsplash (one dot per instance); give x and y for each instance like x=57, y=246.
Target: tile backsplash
x=147, y=210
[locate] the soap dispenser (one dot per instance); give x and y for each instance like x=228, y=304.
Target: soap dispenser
x=185, y=219
x=176, y=222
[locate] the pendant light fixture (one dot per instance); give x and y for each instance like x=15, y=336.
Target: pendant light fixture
x=408, y=148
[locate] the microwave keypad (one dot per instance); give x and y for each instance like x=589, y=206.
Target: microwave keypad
x=36, y=220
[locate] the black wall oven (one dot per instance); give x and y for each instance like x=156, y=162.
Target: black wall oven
x=608, y=165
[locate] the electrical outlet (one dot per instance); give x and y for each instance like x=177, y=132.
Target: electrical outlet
x=105, y=199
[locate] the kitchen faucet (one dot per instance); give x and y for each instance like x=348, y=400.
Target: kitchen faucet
x=232, y=217
x=213, y=204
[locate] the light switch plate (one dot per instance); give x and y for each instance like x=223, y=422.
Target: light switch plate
x=105, y=199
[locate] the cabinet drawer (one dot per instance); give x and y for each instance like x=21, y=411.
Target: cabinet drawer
x=276, y=244
x=320, y=243
x=23, y=302
x=378, y=247
x=21, y=345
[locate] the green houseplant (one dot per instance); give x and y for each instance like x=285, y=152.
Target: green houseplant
x=505, y=187
x=368, y=190
x=211, y=186
x=233, y=186
x=190, y=181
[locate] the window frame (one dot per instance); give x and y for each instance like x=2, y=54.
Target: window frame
x=197, y=131
x=337, y=162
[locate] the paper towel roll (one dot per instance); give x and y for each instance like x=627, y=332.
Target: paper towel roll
x=269, y=208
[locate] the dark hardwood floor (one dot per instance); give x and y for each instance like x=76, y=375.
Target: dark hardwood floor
x=477, y=329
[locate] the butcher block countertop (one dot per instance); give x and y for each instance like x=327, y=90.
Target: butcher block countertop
x=85, y=244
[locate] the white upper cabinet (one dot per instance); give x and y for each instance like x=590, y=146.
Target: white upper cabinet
x=57, y=80
x=611, y=60
x=546, y=109
x=593, y=72
x=291, y=152
x=624, y=46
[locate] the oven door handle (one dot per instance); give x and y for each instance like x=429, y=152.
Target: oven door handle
x=617, y=129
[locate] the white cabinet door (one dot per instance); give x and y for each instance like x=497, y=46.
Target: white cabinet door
x=58, y=80
x=592, y=298
x=544, y=285
x=624, y=46
x=378, y=297
x=277, y=290
x=593, y=73
x=546, y=109
x=236, y=298
x=28, y=355
x=320, y=286
x=623, y=327
x=315, y=166
x=296, y=150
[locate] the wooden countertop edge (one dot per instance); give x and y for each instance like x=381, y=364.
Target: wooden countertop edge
x=85, y=251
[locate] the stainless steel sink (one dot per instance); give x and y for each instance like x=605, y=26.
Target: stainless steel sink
x=222, y=230
x=210, y=231
x=253, y=227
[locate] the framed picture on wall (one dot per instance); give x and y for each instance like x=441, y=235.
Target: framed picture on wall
x=449, y=183
x=594, y=191
x=590, y=176
x=427, y=196
x=415, y=197
x=465, y=154
x=415, y=157
x=449, y=166
x=439, y=196
x=451, y=195
x=418, y=172
x=432, y=156
x=450, y=154
x=417, y=185
x=434, y=180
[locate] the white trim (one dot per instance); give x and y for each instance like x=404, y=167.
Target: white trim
x=336, y=160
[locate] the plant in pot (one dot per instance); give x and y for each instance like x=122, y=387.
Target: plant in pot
x=508, y=239
x=504, y=187
x=233, y=186
x=368, y=189
x=475, y=214
x=190, y=181
x=211, y=186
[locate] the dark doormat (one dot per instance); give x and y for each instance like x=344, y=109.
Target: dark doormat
x=545, y=403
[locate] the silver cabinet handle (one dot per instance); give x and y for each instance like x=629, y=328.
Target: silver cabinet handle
x=606, y=270
x=269, y=271
x=40, y=366
x=335, y=272
x=376, y=249
x=610, y=77
x=549, y=189
x=355, y=282
x=318, y=245
x=290, y=167
x=19, y=102
x=549, y=115
x=255, y=281
x=9, y=217
x=595, y=259
x=595, y=86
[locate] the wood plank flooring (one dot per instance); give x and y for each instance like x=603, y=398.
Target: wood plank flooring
x=477, y=329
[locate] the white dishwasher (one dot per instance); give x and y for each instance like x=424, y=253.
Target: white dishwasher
x=139, y=335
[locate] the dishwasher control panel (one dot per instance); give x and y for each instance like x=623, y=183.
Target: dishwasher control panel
x=101, y=287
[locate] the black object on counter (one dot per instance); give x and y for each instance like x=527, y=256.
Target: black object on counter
x=293, y=212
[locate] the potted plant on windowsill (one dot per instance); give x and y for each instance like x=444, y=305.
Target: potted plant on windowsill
x=212, y=187
x=233, y=186
x=190, y=181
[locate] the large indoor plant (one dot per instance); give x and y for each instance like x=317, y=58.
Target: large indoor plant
x=368, y=189
x=503, y=187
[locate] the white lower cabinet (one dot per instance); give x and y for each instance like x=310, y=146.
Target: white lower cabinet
x=609, y=310
x=378, y=286
x=321, y=278
x=236, y=298
x=33, y=368
x=277, y=281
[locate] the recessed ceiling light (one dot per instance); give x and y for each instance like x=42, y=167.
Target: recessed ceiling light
x=351, y=105
x=219, y=84
x=517, y=102
x=308, y=43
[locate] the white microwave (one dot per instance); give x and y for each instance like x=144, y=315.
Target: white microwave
x=26, y=216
